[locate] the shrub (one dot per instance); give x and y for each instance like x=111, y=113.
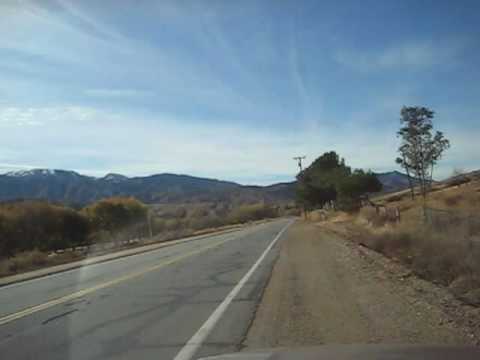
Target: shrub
x=251, y=212
x=28, y=225
x=115, y=214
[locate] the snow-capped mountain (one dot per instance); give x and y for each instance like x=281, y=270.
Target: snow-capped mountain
x=114, y=177
x=34, y=172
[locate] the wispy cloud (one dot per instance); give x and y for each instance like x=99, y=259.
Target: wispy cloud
x=12, y=116
x=118, y=93
x=37, y=116
x=8, y=166
x=77, y=42
x=407, y=55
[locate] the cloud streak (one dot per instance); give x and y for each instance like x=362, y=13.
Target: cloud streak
x=119, y=93
x=414, y=55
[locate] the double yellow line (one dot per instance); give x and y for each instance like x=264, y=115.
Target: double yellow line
x=76, y=295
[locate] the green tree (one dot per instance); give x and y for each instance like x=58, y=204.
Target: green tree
x=420, y=149
x=352, y=188
x=316, y=185
x=329, y=179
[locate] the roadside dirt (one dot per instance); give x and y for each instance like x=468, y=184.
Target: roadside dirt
x=325, y=289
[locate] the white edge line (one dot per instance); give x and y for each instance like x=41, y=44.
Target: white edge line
x=191, y=347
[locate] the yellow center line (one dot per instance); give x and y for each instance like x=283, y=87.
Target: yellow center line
x=31, y=310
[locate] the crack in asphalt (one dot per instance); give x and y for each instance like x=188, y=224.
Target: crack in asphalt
x=53, y=318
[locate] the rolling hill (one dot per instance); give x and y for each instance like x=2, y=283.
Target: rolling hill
x=393, y=181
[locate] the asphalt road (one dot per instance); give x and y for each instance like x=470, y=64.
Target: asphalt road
x=145, y=306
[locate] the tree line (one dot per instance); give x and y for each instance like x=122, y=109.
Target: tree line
x=28, y=225
x=43, y=226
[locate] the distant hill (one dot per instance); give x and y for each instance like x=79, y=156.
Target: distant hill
x=73, y=188
x=393, y=181
x=463, y=177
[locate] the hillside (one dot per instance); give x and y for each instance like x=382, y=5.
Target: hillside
x=73, y=188
x=393, y=181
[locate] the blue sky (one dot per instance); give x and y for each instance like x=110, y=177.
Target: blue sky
x=232, y=89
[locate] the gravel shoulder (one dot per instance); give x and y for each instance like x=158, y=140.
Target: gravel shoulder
x=325, y=289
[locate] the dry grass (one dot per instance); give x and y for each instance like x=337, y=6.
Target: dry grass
x=464, y=197
x=33, y=260
x=318, y=215
x=370, y=215
x=440, y=257
x=453, y=200
x=448, y=255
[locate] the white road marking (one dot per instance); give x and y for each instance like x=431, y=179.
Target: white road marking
x=191, y=347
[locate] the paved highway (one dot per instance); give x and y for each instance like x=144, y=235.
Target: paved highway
x=180, y=302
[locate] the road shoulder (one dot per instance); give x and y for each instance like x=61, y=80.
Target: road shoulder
x=325, y=289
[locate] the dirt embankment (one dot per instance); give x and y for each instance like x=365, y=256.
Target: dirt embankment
x=325, y=289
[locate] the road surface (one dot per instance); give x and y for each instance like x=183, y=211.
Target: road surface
x=146, y=306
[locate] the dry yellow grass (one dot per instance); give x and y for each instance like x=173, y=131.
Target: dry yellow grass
x=448, y=256
x=34, y=259
x=439, y=197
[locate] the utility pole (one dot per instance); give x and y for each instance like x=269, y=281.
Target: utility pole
x=299, y=160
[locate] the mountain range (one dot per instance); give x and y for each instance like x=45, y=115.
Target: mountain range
x=73, y=188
